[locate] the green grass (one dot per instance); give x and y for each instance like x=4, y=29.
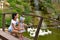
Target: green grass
x=54, y=36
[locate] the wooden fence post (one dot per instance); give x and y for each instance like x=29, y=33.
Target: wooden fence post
x=3, y=22
x=39, y=26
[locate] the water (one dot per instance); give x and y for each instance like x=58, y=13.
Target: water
x=36, y=2
x=37, y=12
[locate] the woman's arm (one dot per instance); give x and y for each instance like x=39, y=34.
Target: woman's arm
x=19, y=26
x=14, y=27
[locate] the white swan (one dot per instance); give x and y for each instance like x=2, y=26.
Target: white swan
x=32, y=34
x=49, y=31
x=41, y=33
x=29, y=29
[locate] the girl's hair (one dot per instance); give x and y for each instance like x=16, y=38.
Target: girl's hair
x=13, y=15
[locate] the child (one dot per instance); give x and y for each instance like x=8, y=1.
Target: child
x=22, y=27
x=13, y=28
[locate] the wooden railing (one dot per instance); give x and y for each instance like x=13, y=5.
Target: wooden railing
x=38, y=28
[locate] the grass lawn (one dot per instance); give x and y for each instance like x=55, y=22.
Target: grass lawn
x=54, y=36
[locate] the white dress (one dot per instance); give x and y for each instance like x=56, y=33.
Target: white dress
x=22, y=27
x=10, y=27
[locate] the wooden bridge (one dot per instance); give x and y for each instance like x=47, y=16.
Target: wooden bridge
x=6, y=36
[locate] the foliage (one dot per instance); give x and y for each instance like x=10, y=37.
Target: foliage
x=8, y=20
x=0, y=11
x=24, y=6
x=0, y=18
x=28, y=19
x=19, y=5
x=0, y=21
x=43, y=7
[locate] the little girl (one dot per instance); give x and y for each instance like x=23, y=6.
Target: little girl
x=22, y=27
x=13, y=28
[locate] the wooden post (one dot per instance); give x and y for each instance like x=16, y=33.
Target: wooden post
x=3, y=22
x=39, y=26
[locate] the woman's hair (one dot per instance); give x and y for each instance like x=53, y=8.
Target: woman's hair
x=13, y=15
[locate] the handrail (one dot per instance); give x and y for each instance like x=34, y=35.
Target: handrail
x=39, y=26
x=36, y=16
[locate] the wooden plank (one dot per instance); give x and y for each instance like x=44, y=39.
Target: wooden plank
x=7, y=36
x=2, y=38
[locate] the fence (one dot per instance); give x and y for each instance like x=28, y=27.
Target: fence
x=38, y=28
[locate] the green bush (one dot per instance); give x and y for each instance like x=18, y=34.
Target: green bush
x=0, y=18
x=0, y=21
x=8, y=20
x=28, y=19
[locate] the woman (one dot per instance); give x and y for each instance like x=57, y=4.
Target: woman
x=13, y=28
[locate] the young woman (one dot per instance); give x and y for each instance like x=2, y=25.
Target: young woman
x=13, y=28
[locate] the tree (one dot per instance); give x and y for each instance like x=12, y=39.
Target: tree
x=19, y=6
